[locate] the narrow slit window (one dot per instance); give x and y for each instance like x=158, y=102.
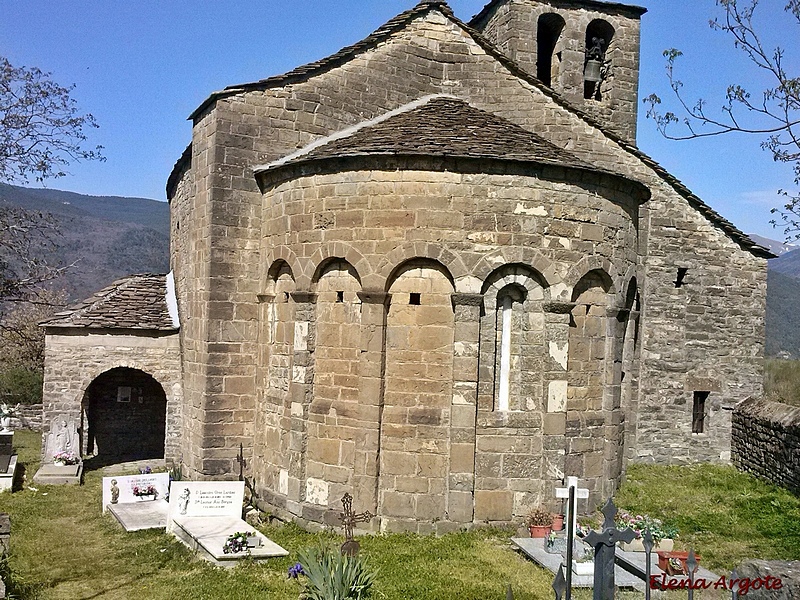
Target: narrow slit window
x=682, y=271
x=699, y=412
x=339, y=296
x=414, y=298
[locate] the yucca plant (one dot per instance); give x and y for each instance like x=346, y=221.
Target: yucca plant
x=332, y=576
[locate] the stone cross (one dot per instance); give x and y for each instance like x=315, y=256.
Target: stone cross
x=348, y=519
x=572, y=512
x=604, y=543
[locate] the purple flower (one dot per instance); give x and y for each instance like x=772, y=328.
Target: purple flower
x=295, y=571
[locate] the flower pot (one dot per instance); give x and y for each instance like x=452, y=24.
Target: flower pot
x=558, y=522
x=674, y=563
x=539, y=531
x=583, y=568
x=637, y=545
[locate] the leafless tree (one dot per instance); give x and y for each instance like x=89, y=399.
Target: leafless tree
x=773, y=113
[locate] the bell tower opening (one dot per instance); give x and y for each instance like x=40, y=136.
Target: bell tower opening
x=596, y=65
x=549, y=48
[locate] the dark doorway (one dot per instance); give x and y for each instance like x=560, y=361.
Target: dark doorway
x=126, y=412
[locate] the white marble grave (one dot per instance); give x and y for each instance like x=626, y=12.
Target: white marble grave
x=202, y=514
x=126, y=497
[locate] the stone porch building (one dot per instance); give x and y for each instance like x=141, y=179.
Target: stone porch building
x=434, y=270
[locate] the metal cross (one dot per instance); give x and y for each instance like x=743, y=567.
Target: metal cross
x=348, y=519
x=241, y=461
x=572, y=515
x=604, y=544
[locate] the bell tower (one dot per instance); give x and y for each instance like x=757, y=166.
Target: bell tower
x=585, y=50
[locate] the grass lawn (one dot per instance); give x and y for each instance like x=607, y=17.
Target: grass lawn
x=62, y=547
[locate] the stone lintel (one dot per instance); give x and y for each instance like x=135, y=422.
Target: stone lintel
x=304, y=297
x=373, y=296
x=461, y=299
x=561, y=308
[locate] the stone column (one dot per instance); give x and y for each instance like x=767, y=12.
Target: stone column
x=374, y=308
x=300, y=394
x=555, y=386
x=612, y=398
x=463, y=412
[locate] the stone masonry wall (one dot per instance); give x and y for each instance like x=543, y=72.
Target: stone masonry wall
x=766, y=441
x=73, y=359
x=355, y=230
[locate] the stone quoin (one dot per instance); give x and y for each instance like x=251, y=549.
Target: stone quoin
x=434, y=271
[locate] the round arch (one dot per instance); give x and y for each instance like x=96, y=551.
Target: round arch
x=125, y=412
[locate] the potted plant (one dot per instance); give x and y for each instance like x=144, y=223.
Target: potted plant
x=663, y=535
x=558, y=522
x=539, y=522
x=674, y=563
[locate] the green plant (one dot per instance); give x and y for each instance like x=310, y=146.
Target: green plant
x=539, y=517
x=333, y=576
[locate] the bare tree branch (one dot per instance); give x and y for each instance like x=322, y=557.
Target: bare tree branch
x=774, y=113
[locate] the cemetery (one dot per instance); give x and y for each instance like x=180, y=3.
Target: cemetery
x=62, y=545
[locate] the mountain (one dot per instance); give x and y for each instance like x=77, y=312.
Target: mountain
x=773, y=246
x=783, y=315
x=787, y=264
x=103, y=237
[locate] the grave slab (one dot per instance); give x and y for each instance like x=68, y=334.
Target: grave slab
x=534, y=549
x=51, y=474
x=135, y=516
x=129, y=489
x=203, y=514
x=636, y=564
x=7, y=476
x=207, y=535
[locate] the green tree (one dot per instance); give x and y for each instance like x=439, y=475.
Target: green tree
x=773, y=113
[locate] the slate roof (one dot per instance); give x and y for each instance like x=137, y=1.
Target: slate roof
x=133, y=302
x=399, y=22
x=437, y=126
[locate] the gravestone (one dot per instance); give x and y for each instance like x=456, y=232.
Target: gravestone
x=62, y=441
x=127, y=497
x=204, y=514
x=8, y=460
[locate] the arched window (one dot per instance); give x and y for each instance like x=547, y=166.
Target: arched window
x=549, y=42
x=599, y=35
x=507, y=298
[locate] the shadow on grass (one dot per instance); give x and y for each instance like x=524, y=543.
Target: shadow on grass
x=16, y=586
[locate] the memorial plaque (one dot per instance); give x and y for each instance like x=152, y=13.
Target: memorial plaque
x=126, y=489
x=206, y=499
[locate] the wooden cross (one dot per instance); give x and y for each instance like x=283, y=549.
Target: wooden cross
x=604, y=543
x=348, y=519
x=572, y=511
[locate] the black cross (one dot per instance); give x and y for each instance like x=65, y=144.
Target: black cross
x=241, y=461
x=604, y=544
x=348, y=519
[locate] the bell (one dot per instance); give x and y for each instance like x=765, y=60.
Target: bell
x=591, y=72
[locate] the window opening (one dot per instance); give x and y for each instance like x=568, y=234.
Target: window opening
x=681, y=276
x=414, y=298
x=340, y=296
x=548, y=55
x=699, y=412
x=596, y=66
x=505, y=355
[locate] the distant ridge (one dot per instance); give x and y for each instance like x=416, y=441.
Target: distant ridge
x=107, y=237
x=773, y=246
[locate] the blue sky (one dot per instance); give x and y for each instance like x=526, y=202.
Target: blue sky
x=141, y=68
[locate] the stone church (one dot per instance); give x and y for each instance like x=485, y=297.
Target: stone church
x=432, y=270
